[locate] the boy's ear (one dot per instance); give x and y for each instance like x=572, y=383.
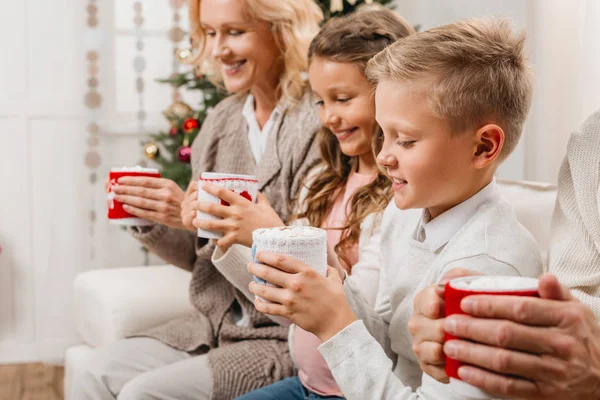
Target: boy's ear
x=489, y=140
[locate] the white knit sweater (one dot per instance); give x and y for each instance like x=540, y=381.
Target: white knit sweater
x=373, y=359
x=575, y=240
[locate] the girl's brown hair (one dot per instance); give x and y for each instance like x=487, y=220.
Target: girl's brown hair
x=353, y=39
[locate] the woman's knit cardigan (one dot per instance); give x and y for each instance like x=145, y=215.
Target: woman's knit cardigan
x=242, y=358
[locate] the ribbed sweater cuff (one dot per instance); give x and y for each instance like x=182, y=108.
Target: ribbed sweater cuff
x=150, y=236
x=236, y=257
x=349, y=340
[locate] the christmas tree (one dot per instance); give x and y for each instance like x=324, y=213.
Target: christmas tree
x=172, y=150
x=335, y=8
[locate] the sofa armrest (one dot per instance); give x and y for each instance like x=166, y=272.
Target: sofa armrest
x=111, y=304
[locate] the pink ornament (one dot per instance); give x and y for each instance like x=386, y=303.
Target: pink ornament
x=184, y=153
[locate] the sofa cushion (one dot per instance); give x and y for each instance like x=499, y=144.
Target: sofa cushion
x=111, y=304
x=534, y=204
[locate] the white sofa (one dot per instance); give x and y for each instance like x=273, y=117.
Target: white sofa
x=113, y=303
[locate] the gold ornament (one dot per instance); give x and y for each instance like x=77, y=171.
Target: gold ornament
x=183, y=54
x=151, y=150
x=178, y=110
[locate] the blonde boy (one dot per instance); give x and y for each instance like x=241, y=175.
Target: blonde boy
x=451, y=102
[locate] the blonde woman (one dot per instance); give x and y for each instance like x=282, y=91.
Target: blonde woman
x=257, y=49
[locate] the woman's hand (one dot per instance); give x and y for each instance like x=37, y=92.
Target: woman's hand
x=313, y=302
x=526, y=347
x=239, y=218
x=426, y=326
x=189, y=206
x=156, y=199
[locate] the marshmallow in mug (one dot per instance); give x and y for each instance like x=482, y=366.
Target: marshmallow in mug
x=137, y=168
x=244, y=185
x=496, y=283
x=304, y=243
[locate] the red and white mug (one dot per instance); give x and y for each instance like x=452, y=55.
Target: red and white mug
x=116, y=214
x=459, y=288
x=243, y=185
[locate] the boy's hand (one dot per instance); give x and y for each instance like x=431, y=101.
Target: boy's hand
x=427, y=326
x=315, y=303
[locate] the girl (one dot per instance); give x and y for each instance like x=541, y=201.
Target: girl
x=344, y=194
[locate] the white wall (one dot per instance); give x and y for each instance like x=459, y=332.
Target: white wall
x=431, y=13
x=41, y=133
x=565, y=55
x=46, y=233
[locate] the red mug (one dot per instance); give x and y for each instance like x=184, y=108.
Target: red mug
x=116, y=214
x=459, y=288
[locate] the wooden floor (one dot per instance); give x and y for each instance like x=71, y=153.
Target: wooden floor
x=31, y=382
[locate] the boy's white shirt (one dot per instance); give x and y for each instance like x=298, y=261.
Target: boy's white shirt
x=372, y=358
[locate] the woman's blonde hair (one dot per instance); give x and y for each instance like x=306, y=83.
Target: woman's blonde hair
x=294, y=23
x=353, y=39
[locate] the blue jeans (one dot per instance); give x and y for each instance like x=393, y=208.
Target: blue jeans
x=287, y=389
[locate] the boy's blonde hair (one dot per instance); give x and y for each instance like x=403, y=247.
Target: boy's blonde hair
x=478, y=74
x=294, y=23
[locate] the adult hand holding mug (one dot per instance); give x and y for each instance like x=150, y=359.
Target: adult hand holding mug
x=527, y=348
x=155, y=199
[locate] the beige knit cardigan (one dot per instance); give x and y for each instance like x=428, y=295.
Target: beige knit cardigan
x=575, y=240
x=242, y=358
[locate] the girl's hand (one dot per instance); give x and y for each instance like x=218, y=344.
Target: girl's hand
x=313, y=302
x=239, y=218
x=156, y=199
x=334, y=261
x=189, y=205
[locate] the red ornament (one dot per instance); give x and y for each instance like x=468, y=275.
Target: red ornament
x=173, y=131
x=184, y=153
x=190, y=124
